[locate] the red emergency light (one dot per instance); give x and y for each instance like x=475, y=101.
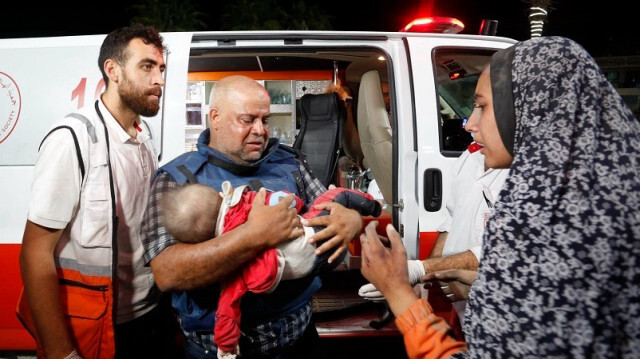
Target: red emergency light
x=446, y=25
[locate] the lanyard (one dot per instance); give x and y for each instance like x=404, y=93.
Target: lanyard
x=114, y=219
x=111, y=186
x=487, y=197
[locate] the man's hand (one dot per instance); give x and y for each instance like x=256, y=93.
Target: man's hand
x=274, y=224
x=386, y=268
x=341, y=226
x=455, y=283
x=344, y=95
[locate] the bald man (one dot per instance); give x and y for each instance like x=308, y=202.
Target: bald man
x=237, y=148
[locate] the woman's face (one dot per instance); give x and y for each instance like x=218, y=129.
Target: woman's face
x=482, y=124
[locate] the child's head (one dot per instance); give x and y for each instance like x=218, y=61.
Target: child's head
x=190, y=212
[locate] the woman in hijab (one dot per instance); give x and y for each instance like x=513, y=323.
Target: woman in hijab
x=560, y=275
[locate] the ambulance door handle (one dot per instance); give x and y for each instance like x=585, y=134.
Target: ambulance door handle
x=432, y=189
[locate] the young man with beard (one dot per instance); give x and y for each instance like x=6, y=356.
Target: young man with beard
x=87, y=292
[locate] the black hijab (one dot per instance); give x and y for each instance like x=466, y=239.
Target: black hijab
x=502, y=93
x=560, y=270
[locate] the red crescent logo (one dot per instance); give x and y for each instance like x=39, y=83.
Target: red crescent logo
x=10, y=105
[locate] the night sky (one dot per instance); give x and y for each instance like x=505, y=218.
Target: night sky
x=611, y=30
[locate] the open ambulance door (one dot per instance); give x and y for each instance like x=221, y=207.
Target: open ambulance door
x=445, y=76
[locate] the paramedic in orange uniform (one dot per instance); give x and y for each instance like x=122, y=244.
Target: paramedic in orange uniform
x=81, y=258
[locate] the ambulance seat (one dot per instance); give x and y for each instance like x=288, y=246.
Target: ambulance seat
x=375, y=133
x=322, y=118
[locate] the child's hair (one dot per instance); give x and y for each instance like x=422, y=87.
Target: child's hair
x=190, y=212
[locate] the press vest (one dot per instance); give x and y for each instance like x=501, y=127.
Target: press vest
x=277, y=170
x=86, y=254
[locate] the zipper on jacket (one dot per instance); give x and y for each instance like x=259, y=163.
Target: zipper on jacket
x=101, y=288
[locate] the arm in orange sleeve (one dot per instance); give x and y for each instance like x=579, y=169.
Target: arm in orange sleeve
x=426, y=335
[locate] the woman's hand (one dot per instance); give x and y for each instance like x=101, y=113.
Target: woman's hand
x=386, y=268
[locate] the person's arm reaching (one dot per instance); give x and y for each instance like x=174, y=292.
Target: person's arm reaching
x=41, y=289
x=425, y=334
x=387, y=268
x=465, y=260
x=415, y=270
x=436, y=252
x=183, y=266
x=418, y=269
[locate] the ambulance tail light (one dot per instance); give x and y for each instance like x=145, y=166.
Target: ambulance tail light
x=446, y=25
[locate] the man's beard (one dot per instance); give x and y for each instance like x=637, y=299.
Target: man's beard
x=137, y=99
x=244, y=158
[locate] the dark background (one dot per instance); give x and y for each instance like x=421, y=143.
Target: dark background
x=607, y=30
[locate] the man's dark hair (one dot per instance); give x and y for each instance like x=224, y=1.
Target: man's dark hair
x=115, y=44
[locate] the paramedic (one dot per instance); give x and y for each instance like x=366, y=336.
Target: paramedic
x=81, y=250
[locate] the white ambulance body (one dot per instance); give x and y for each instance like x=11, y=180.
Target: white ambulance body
x=431, y=79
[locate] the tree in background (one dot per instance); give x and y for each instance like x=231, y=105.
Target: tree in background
x=273, y=15
x=169, y=15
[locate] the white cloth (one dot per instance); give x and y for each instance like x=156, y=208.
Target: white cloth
x=55, y=201
x=467, y=208
x=374, y=190
x=296, y=258
x=415, y=269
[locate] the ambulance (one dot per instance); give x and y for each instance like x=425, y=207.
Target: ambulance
x=427, y=72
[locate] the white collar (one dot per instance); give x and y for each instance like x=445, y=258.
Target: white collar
x=117, y=130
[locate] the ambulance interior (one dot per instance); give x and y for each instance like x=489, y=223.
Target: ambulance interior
x=296, y=81
x=363, y=139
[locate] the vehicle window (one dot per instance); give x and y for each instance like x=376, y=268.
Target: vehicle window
x=293, y=80
x=457, y=72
